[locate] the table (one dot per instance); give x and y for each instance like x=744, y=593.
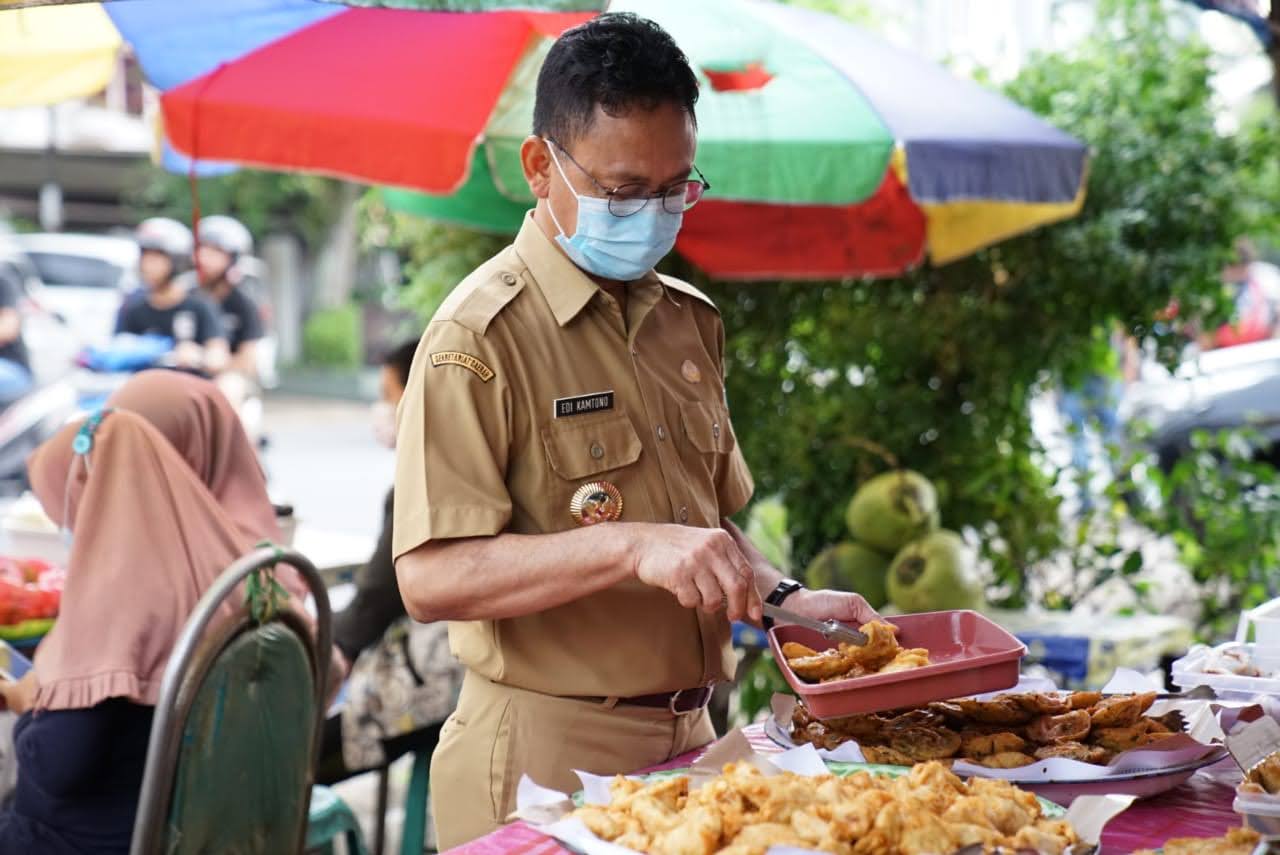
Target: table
x=1199, y=808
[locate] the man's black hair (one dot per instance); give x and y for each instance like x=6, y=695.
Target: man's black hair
x=400, y=359
x=618, y=61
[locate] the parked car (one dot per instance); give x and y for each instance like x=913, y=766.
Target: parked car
x=85, y=279
x=1231, y=387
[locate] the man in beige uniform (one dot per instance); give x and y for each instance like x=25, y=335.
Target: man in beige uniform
x=566, y=463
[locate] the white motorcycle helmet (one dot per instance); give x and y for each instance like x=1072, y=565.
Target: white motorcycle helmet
x=167, y=235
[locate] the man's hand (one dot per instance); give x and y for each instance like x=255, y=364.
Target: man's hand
x=702, y=567
x=831, y=605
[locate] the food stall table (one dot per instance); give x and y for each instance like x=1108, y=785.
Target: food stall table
x=1199, y=808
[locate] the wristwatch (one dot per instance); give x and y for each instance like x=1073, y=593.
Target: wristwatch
x=781, y=591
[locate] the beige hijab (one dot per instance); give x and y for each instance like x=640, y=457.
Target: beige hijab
x=150, y=539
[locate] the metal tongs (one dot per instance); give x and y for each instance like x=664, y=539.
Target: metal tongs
x=832, y=630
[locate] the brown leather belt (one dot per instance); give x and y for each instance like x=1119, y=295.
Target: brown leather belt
x=681, y=702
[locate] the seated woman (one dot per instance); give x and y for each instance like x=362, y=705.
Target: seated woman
x=202, y=426
x=148, y=539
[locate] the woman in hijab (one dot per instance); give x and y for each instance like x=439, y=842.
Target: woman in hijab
x=201, y=424
x=148, y=539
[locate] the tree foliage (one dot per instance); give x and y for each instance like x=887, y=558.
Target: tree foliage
x=940, y=365
x=303, y=205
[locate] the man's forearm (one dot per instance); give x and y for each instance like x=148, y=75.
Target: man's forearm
x=509, y=575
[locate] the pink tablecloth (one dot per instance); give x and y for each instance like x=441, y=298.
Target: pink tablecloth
x=1199, y=808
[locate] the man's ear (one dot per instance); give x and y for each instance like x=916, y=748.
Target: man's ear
x=536, y=161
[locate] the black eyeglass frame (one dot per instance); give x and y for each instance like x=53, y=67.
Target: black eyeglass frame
x=665, y=193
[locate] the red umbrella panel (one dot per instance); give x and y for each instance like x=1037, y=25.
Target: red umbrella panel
x=423, y=87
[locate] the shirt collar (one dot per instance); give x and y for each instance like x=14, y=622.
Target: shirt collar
x=568, y=290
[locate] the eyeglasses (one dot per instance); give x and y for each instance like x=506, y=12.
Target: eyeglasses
x=628, y=199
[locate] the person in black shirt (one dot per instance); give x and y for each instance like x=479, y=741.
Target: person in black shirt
x=167, y=308
x=15, y=369
x=222, y=241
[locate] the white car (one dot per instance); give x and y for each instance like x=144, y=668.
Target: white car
x=86, y=278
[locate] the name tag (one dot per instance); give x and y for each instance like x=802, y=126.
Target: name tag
x=583, y=404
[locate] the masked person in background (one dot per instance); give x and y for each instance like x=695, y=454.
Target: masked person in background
x=404, y=682
x=566, y=464
x=166, y=308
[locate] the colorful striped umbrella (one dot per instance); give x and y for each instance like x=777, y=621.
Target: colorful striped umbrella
x=830, y=152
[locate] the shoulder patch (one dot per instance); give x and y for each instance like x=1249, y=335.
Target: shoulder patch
x=456, y=357
x=478, y=299
x=685, y=288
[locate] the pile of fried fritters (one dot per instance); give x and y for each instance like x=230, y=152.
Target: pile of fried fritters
x=744, y=812
x=880, y=655
x=1005, y=732
x=1237, y=841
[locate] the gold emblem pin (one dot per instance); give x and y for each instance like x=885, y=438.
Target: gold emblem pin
x=690, y=371
x=596, y=502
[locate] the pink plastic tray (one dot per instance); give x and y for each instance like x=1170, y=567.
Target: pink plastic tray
x=970, y=655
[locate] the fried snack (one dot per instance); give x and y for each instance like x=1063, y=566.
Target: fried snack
x=1068, y=727
x=881, y=654
x=795, y=650
x=926, y=743
x=1237, y=841
x=1121, y=711
x=1266, y=775
x=1084, y=700
x=1039, y=703
x=1075, y=751
x=1003, y=710
x=741, y=812
x=984, y=744
x=906, y=660
x=885, y=756
x=1004, y=760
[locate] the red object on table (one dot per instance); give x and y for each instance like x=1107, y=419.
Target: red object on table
x=969, y=654
x=1199, y=808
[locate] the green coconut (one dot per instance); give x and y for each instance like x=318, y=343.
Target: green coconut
x=850, y=567
x=935, y=573
x=893, y=509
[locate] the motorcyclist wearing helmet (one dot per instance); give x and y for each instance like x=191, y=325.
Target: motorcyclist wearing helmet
x=166, y=308
x=223, y=241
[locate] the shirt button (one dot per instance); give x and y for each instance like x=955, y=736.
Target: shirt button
x=684, y=513
x=508, y=278
x=662, y=433
x=597, y=450
x=715, y=430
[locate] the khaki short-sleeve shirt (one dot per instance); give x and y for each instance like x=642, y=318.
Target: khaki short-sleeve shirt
x=528, y=383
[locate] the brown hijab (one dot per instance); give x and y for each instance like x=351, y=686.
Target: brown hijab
x=201, y=424
x=149, y=540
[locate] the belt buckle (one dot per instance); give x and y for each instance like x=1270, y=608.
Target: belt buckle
x=675, y=699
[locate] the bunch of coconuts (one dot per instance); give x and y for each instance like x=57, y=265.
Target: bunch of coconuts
x=898, y=553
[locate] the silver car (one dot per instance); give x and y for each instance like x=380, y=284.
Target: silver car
x=86, y=278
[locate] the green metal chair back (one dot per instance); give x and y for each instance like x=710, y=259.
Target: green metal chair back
x=236, y=730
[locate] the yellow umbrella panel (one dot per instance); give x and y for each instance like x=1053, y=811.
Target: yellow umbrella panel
x=55, y=53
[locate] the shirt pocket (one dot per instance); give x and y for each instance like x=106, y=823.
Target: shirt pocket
x=580, y=450
x=707, y=427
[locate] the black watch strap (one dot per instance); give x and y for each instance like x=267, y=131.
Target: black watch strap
x=781, y=591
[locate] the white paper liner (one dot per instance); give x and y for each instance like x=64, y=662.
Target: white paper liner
x=549, y=811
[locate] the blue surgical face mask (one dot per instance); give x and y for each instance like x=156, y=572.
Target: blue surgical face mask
x=612, y=247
